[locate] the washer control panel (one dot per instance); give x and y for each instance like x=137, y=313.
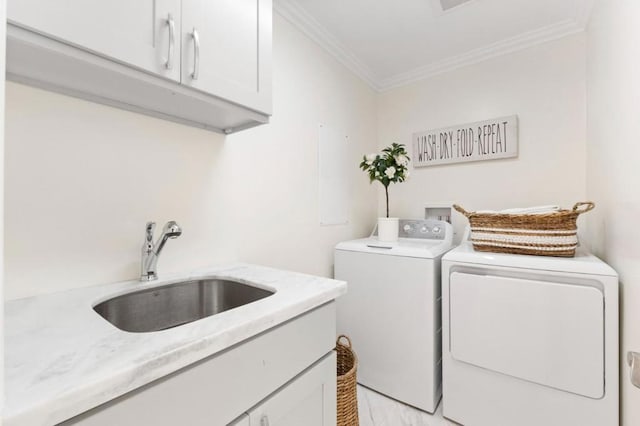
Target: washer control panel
x=420, y=228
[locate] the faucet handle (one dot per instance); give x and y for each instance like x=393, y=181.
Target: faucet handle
x=149, y=230
x=151, y=226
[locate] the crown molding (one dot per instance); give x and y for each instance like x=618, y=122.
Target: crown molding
x=514, y=44
x=302, y=20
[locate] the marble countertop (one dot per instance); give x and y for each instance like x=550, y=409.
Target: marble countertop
x=61, y=358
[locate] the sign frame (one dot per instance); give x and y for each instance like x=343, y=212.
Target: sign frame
x=492, y=139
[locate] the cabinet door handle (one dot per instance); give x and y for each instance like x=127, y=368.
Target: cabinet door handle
x=196, y=54
x=172, y=41
x=264, y=421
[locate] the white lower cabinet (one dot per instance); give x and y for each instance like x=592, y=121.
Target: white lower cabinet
x=308, y=400
x=285, y=376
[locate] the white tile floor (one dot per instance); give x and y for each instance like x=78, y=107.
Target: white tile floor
x=375, y=409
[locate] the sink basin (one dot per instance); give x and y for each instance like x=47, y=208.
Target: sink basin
x=172, y=305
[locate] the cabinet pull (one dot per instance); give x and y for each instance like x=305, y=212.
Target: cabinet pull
x=264, y=421
x=196, y=54
x=172, y=41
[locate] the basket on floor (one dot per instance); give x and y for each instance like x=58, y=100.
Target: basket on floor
x=347, y=404
x=546, y=234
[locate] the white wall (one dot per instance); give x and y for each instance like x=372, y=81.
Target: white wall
x=613, y=151
x=82, y=179
x=544, y=85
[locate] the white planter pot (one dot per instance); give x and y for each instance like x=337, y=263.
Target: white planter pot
x=388, y=229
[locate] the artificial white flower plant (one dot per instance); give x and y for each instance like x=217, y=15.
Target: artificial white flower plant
x=389, y=166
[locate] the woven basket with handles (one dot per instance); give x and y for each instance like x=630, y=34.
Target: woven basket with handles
x=347, y=404
x=545, y=234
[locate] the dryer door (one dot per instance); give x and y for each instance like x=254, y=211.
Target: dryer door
x=544, y=332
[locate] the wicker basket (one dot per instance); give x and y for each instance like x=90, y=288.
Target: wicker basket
x=347, y=404
x=546, y=234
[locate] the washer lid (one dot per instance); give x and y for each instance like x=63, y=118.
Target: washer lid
x=582, y=263
x=408, y=247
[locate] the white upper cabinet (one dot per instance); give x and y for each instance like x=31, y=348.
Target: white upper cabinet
x=226, y=50
x=141, y=33
x=204, y=63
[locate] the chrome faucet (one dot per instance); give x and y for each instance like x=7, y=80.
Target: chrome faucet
x=151, y=251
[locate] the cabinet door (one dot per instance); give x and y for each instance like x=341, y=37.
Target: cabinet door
x=309, y=399
x=142, y=33
x=226, y=50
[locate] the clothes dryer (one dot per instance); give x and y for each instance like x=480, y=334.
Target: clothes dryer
x=529, y=340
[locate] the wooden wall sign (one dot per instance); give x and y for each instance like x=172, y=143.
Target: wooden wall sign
x=483, y=140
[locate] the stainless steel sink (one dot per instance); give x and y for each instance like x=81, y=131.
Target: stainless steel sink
x=172, y=305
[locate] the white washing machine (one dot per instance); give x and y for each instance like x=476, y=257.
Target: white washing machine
x=529, y=340
x=392, y=312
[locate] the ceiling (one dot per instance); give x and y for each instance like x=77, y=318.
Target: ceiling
x=390, y=43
